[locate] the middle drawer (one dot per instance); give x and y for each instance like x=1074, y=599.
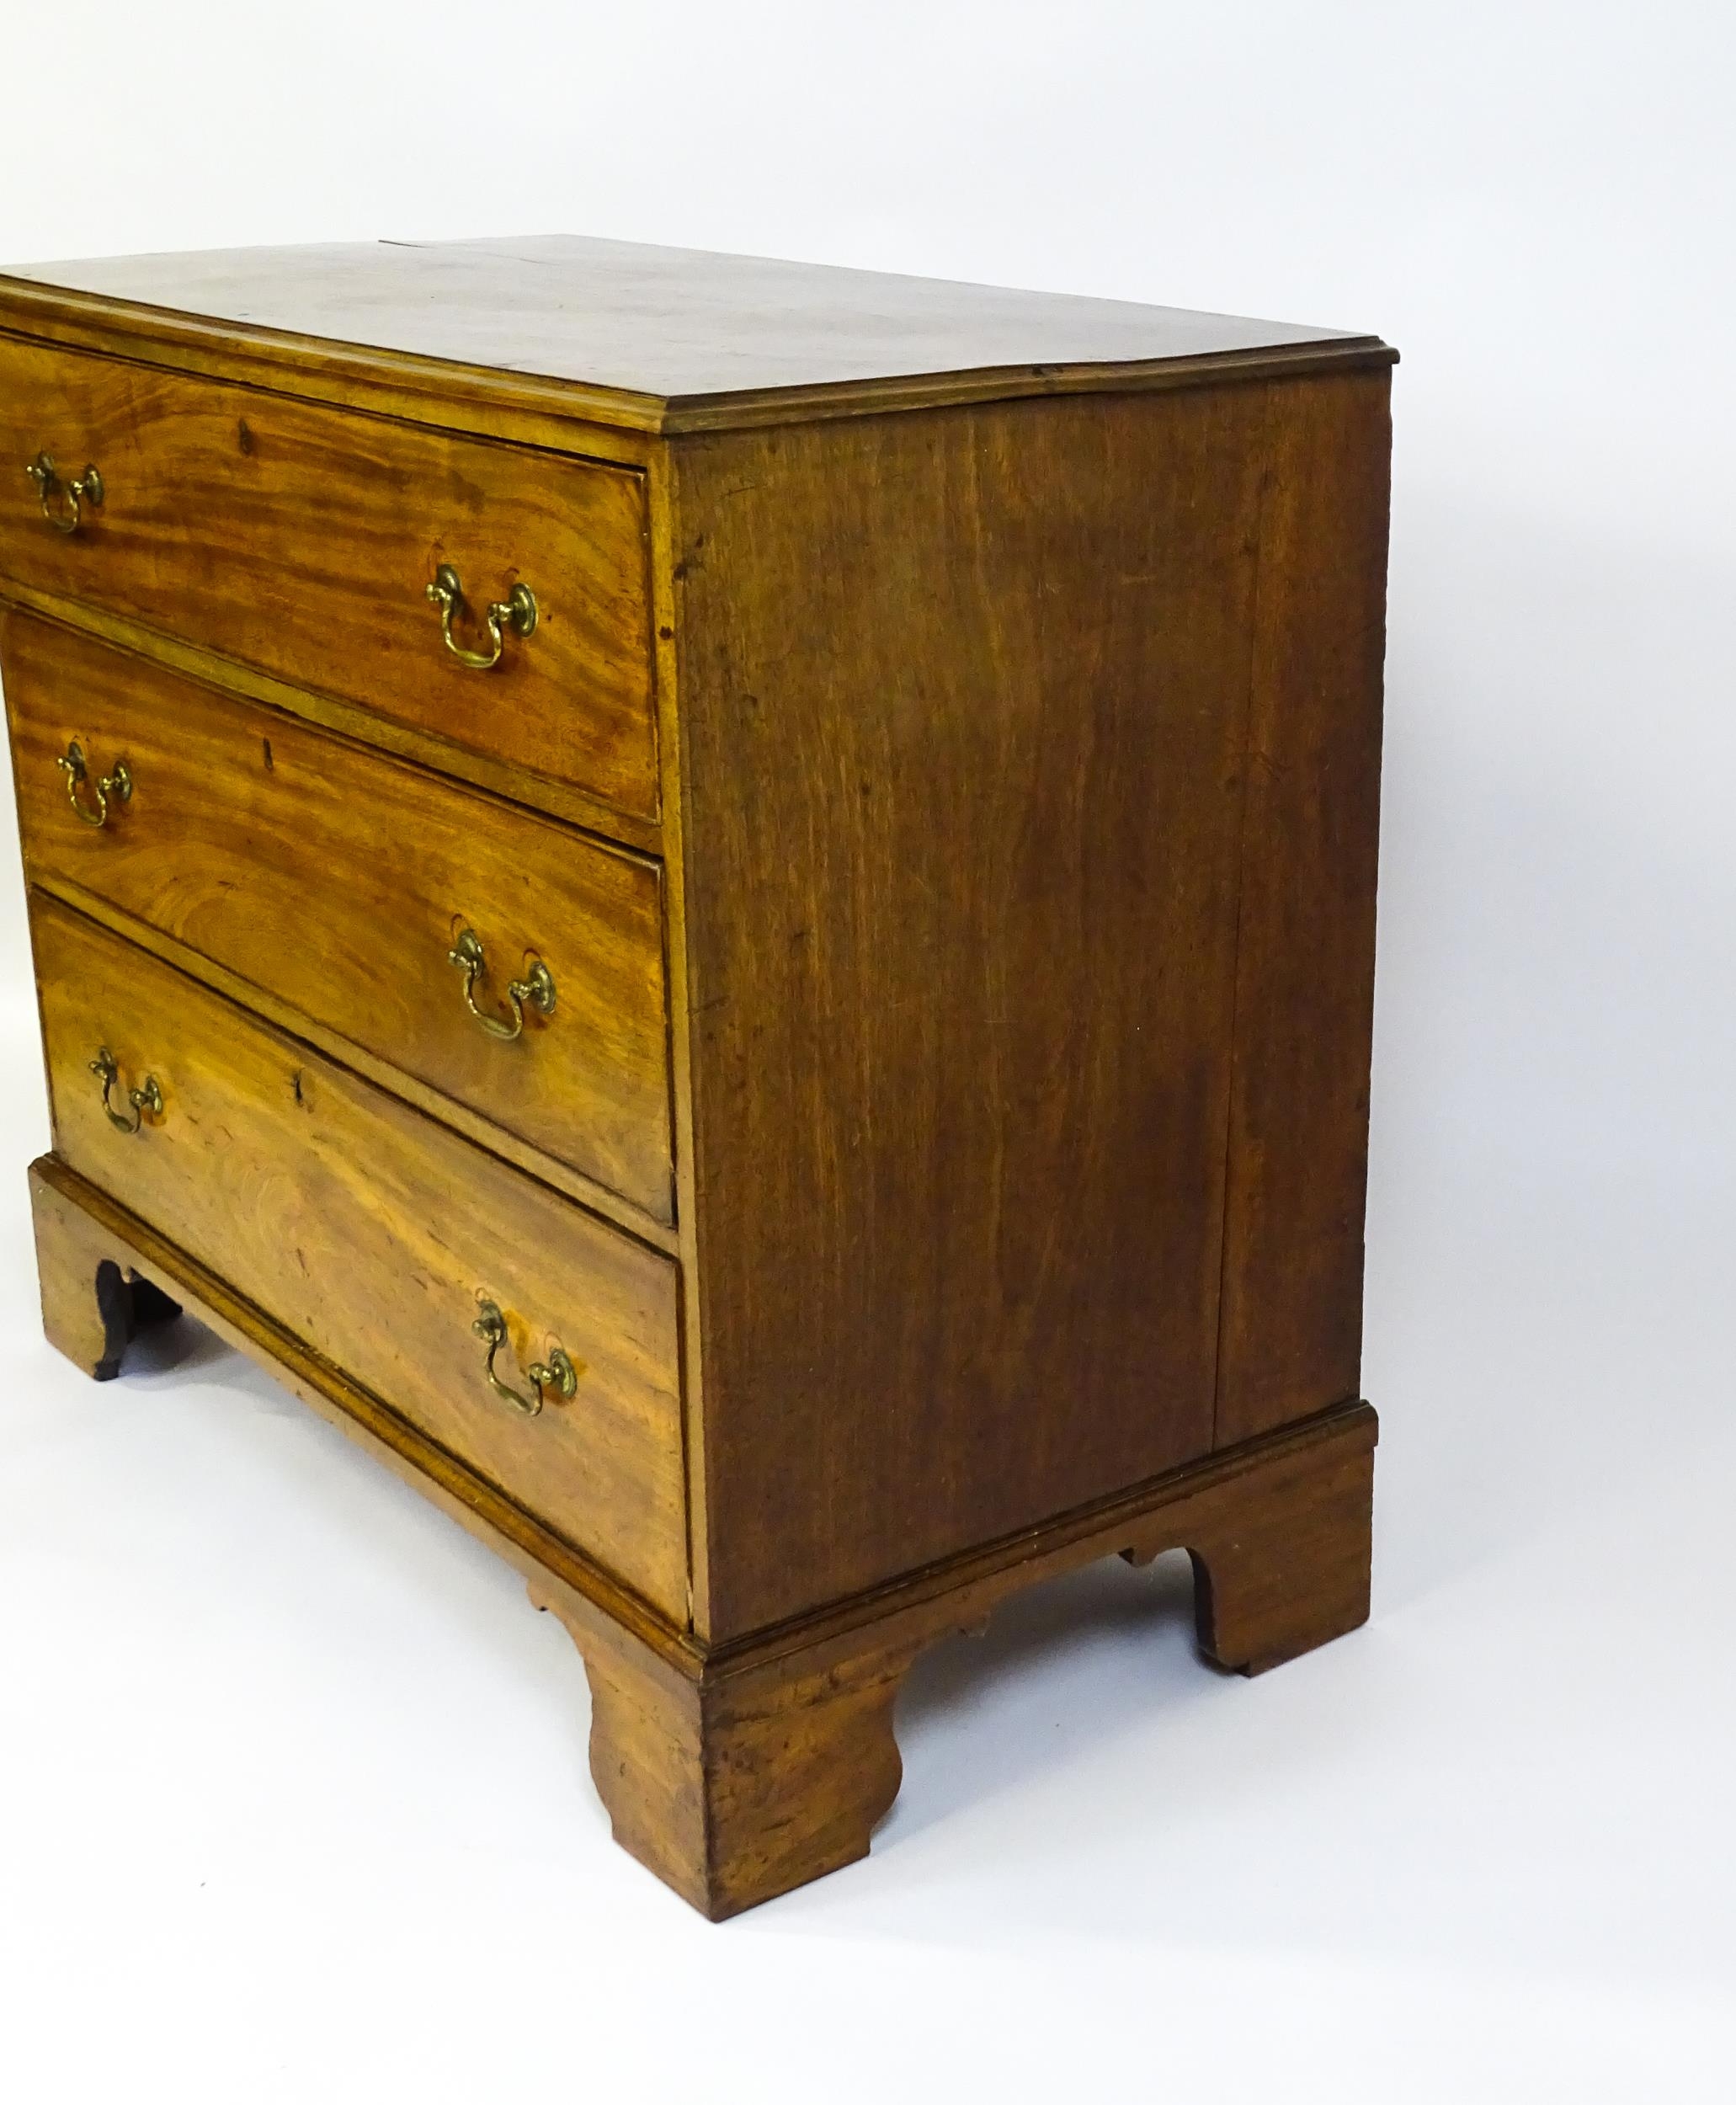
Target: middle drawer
x=343, y=882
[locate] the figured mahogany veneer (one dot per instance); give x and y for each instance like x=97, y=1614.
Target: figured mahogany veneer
x=303, y=542
x=338, y=880
x=939, y=793
x=370, y=1232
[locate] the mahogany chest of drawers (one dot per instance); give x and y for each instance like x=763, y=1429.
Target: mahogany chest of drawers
x=729, y=908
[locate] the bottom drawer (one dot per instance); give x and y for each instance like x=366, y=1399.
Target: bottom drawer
x=374, y=1234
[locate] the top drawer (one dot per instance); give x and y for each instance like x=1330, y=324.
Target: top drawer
x=303, y=540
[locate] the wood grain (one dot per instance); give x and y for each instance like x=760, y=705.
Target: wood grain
x=369, y=1232
x=337, y=880
x=972, y=698
x=736, y=1772
x=963, y=704
x=495, y=777
x=772, y=1765
x=92, y=1309
x=1298, y=1129
x=93, y=1227
x=736, y=1788
x=663, y=338
x=300, y=540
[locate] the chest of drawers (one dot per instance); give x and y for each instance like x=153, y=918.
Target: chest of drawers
x=728, y=909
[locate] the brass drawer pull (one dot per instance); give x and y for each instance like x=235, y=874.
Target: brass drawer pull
x=82, y=489
x=149, y=1098
x=558, y=1372
x=118, y=784
x=537, y=988
x=516, y=612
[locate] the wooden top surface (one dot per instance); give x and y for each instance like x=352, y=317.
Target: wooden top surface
x=664, y=329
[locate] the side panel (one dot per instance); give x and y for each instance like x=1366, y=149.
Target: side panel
x=963, y=699
x=1298, y=1152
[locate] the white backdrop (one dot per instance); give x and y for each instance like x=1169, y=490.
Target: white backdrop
x=293, y=1799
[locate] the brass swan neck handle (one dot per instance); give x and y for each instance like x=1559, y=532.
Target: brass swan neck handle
x=148, y=1097
x=117, y=783
x=536, y=990
x=558, y=1372
x=65, y=517
x=516, y=613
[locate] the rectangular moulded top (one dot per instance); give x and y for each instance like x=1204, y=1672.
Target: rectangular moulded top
x=664, y=339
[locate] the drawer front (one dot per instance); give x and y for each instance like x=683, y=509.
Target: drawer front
x=370, y=1232
x=302, y=541
x=341, y=880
